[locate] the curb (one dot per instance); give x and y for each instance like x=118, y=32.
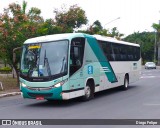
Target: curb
x=10, y=94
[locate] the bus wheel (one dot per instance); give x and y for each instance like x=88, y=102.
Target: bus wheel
x=88, y=92
x=126, y=83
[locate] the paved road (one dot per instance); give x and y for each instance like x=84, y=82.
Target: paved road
x=140, y=101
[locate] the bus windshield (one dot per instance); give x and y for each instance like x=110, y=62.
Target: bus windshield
x=44, y=59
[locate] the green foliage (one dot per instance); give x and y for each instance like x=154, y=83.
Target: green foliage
x=5, y=70
x=69, y=20
x=15, y=27
x=96, y=28
x=157, y=28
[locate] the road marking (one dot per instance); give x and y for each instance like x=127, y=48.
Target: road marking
x=144, y=77
x=150, y=71
x=152, y=104
x=148, y=74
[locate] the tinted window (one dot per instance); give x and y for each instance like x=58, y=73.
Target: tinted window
x=76, y=54
x=107, y=49
x=120, y=52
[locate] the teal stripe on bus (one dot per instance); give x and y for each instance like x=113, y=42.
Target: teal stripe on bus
x=101, y=57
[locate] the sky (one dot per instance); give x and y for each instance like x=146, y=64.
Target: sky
x=135, y=15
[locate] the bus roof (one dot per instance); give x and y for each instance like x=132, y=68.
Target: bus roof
x=113, y=40
x=69, y=36
x=53, y=37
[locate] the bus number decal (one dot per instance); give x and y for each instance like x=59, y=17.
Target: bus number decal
x=90, y=69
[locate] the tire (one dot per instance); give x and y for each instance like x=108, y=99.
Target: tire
x=126, y=83
x=89, y=92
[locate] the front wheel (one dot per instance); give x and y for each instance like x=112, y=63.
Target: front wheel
x=88, y=92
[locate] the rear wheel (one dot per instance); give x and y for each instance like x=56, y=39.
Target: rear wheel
x=126, y=83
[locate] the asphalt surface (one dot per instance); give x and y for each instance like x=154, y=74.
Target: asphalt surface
x=140, y=101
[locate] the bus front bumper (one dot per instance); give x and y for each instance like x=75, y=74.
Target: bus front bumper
x=35, y=93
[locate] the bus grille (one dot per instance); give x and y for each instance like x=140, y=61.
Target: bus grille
x=38, y=94
x=39, y=88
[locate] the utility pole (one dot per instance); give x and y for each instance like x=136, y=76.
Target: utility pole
x=158, y=45
x=155, y=44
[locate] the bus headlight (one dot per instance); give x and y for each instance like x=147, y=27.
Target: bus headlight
x=23, y=85
x=57, y=85
x=60, y=83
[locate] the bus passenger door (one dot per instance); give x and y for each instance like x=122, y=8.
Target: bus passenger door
x=76, y=67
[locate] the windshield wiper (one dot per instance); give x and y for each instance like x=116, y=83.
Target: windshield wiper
x=63, y=65
x=33, y=64
x=28, y=74
x=46, y=62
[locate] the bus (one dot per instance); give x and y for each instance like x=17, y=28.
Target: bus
x=66, y=66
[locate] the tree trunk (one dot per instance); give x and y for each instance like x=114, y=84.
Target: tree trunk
x=13, y=76
x=17, y=74
x=15, y=63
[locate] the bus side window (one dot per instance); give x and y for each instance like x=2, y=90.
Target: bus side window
x=107, y=49
x=76, y=54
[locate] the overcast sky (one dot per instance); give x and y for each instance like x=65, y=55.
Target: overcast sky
x=135, y=15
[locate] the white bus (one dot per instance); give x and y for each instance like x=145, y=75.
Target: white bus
x=66, y=66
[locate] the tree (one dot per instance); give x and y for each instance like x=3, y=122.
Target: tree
x=96, y=28
x=157, y=28
x=69, y=20
x=15, y=27
x=11, y=32
x=115, y=33
x=50, y=28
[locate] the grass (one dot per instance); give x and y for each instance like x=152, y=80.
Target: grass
x=8, y=83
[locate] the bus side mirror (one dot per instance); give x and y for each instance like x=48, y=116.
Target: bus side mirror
x=14, y=54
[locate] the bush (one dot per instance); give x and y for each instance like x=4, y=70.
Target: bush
x=5, y=70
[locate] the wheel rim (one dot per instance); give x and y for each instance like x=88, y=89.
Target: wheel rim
x=87, y=91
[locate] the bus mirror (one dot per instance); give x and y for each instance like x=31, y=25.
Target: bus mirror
x=14, y=54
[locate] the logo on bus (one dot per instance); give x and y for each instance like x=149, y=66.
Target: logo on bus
x=134, y=66
x=90, y=69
